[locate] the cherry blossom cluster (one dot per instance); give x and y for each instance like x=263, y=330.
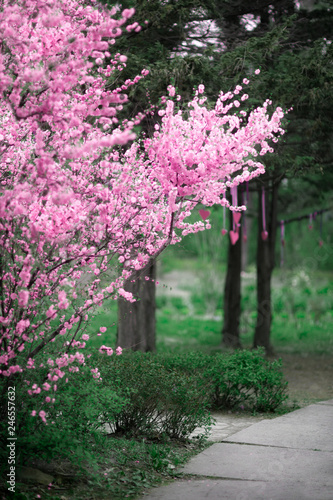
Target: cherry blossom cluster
x=81, y=206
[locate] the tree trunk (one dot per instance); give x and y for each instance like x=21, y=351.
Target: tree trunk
x=245, y=242
x=232, y=294
x=265, y=266
x=136, y=321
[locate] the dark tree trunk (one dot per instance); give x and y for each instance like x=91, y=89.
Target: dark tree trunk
x=245, y=242
x=136, y=321
x=265, y=266
x=232, y=294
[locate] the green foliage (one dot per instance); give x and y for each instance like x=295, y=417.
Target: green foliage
x=246, y=378
x=158, y=402
x=117, y=468
x=72, y=420
x=233, y=380
x=143, y=395
x=136, y=396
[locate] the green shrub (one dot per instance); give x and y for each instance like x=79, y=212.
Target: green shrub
x=191, y=362
x=246, y=378
x=72, y=421
x=186, y=406
x=242, y=378
x=158, y=401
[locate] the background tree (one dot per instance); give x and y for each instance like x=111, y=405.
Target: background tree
x=223, y=39
x=232, y=292
x=287, y=63
x=136, y=320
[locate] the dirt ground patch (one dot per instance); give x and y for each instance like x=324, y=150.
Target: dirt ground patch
x=310, y=378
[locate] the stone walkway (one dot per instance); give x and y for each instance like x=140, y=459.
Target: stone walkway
x=227, y=424
x=285, y=458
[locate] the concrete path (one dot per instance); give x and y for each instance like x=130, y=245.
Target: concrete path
x=286, y=458
x=227, y=424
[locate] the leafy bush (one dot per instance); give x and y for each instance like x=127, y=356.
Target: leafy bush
x=72, y=421
x=186, y=408
x=242, y=378
x=246, y=378
x=159, y=402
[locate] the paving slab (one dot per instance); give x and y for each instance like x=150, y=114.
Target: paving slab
x=262, y=463
x=286, y=458
x=310, y=428
x=217, y=489
x=227, y=424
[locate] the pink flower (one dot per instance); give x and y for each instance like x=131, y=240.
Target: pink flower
x=63, y=302
x=83, y=201
x=257, y=71
x=171, y=90
x=14, y=369
x=51, y=313
x=42, y=415
x=31, y=363
x=95, y=373
x=23, y=298
x=106, y=349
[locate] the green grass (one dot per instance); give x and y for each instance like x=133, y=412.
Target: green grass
x=302, y=314
x=289, y=335
x=187, y=333
x=124, y=468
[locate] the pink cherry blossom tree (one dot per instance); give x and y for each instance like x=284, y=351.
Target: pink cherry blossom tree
x=71, y=203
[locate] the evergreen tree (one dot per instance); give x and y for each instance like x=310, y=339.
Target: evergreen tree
x=218, y=42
